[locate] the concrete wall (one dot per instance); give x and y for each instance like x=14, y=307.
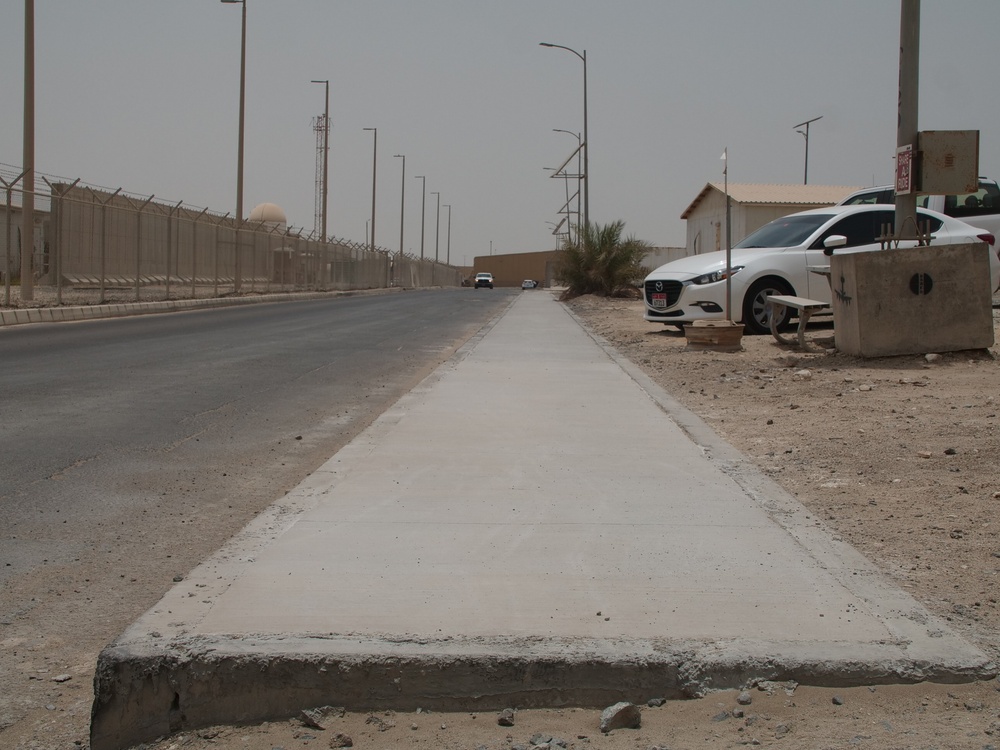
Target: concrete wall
x=511, y=270
x=660, y=255
x=912, y=300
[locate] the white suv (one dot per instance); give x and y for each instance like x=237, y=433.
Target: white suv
x=981, y=208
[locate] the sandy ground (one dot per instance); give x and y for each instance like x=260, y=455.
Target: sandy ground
x=897, y=455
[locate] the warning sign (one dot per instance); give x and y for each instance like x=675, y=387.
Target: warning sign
x=904, y=170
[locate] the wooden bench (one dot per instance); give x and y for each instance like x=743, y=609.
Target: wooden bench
x=774, y=306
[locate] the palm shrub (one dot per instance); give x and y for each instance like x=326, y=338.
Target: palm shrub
x=600, y=262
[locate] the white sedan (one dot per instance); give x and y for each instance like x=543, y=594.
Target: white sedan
x=776, y=258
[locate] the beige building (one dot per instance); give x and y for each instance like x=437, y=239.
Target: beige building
x=752, y=206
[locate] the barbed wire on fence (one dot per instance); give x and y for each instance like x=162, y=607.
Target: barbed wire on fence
x=92, y=234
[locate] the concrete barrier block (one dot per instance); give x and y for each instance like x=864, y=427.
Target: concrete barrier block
x=912, y=300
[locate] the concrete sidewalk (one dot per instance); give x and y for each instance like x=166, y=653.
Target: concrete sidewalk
x=536, y=524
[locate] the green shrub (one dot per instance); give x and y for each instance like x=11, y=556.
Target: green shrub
x=600, y=262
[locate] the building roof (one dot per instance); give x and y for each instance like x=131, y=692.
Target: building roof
x=779, y=195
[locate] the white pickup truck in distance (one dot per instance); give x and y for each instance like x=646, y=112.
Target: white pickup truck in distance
x=980, y=209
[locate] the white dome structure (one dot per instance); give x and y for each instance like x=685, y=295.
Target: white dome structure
x=270, y=214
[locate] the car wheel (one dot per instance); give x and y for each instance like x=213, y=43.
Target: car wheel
x=754, y=315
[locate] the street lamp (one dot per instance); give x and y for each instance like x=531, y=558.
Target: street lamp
x=586, y=140
x=437, y=231
x=805, y=134
x=237, y=282
x=402, y=202
x=374, y=165
x=28, y=152
x=448, y=257
x=326, y=152
x=423, y=212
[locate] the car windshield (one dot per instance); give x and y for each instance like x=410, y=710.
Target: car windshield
x=785, y=232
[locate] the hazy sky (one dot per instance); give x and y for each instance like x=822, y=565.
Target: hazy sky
x=144, y=95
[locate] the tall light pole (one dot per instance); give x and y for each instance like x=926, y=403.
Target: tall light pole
x=448, y=257
x=28, y=164
x=237, y=281
x=437, y=231
x=374, y=166
x=586, y=139
x=423, y=212
x=402, y=202
x=326, y=152
x=805, y=134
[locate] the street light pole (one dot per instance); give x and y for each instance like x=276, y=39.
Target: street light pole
x=437, y=231
x=586, y=139
x=423, y=212
x=805, y=134
x=448, y=257
x=28, y=153
x=374, y=165
x=237, y=281
x=402, y=203
x=326, y=152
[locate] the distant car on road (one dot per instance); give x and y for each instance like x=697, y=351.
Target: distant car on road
x=484, y=279
x=776, y=258
x=529, y=284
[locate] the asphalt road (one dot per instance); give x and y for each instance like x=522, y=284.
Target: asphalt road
x=102, y=418
x=130, y=449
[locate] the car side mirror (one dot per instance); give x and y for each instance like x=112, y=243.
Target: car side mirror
x=832, y=242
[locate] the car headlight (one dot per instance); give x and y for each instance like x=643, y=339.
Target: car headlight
x=711, y=278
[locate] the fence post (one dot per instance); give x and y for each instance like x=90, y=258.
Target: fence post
x=138, y=239
x=104, y=238
x=170, y=242
x=217, y=225
x=194, y=252
x=56, y=260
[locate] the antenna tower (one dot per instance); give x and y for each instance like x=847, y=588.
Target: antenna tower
x=322, y=129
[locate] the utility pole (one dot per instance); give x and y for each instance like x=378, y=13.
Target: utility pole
x=28, y=161
x=906, y=131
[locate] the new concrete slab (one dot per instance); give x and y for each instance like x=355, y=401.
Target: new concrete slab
x=535, y=524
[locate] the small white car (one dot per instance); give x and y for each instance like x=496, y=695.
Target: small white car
x=776, y=258
x=529, y=284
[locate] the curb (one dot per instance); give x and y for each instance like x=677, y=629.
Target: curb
x=20, y=316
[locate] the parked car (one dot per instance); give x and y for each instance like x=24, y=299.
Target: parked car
x=776, y=258
x=484, y=279
x=529, y=284
x=981, y=208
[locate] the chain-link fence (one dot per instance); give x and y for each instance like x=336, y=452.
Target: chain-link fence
x=93, y=238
